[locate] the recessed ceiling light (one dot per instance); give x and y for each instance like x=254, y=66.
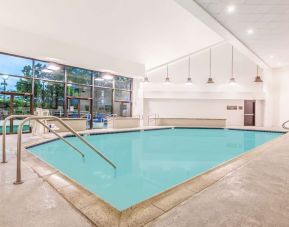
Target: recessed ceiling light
x=231, y=9
x=250, y=31
x=271, y=56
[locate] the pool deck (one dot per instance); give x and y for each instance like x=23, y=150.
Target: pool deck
x=252, y=190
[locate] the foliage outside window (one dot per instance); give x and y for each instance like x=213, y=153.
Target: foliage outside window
x=121, y=95
x=49, y=71
x=79, y=76
x=49, y=96
x=122, y=83
x=75, y=90
x=17, y=66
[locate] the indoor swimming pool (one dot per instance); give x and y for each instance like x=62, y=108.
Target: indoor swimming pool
x=148, y=162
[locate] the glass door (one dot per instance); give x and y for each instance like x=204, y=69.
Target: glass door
x=14, y=104
x=80, y=108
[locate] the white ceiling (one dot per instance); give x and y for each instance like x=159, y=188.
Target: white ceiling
x=145, y=31
x=269, y=20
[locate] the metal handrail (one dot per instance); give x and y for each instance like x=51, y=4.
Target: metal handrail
x=284, y=125
x=4, y=134
x=24, y=116
x=60, y=137
x=156, y=116
x=19, y=139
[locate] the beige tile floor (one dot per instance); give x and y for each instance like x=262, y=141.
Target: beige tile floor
x=255, y=195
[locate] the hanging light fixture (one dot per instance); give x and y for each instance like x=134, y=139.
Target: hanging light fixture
x=210, y=79
x=167, y=80
x=258, y=78
x=146, y=79
x=232, y=79
x=189, y=79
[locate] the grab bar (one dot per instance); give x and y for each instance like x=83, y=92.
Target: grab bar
x=19, y=139
x=284, y=125
x=60, y=137
x=24, y=116
x=4, y=133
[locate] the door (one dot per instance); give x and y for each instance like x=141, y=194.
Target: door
x=15, y=104
x=249, y=112
x=80, y=108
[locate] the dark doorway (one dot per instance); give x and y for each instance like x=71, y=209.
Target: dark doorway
x=249, y=112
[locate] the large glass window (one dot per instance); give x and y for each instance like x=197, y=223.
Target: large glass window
x=101, y=80
x=75, y=90
x=102, y=101
x=48, y=95
x=122, y=83
x=11, y=65
x=15, y=84
x=79, y=76
x=49, y=71
x=121, y=95
x=122, y=109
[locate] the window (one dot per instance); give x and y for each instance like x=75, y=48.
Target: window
x=15, y=84
x=48, y=95
x=75, y=90
x=79, y=76
x=101, y=81
x=122, y=109
x=49, y=71
x=102, y=101
x=17, y=66
x=121, y=95
x=122, y=83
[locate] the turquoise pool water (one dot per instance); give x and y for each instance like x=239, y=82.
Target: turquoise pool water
x=148, y=162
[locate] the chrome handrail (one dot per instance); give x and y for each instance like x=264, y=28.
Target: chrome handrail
x=24, y=116
x=4, y=134
x=19, y=140
x=60, y=137
x=155, y=117
x=284, y=125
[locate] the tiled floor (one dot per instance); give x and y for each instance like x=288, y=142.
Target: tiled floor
x=257, y=194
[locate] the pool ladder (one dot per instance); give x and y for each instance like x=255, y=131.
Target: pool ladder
x=38, y=119
x=284, y=125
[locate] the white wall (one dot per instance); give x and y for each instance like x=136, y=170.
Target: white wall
x=280, y=96
x=206, y=100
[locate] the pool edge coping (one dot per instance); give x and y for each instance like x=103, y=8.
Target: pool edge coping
x=102, y=213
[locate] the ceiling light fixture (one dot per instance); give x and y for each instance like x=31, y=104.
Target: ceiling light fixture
x=232, y=79
x=231, y=9
x=250, y=31
x=210, y=79
x=258, y=78
x=167, y=80
x=189, y=79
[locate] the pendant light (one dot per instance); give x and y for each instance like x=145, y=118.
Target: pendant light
x=167, y=80
x=232, y=79
x=189, y=79
x=258, y=78
x=210, y=79
x=146, y=80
